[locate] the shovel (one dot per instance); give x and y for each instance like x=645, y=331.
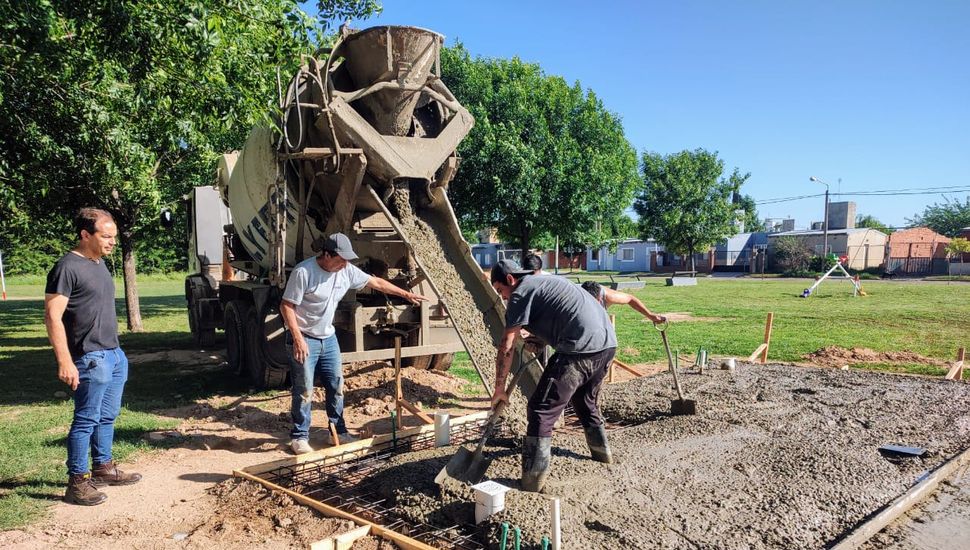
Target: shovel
x=679, y=406
x=469, y=466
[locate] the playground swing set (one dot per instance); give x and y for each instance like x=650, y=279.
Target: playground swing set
x=839, y=261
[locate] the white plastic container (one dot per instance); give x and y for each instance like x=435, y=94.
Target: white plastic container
x=442, y=429
x=489, y=499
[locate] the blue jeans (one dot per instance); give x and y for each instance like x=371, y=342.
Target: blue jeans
x=97, y=401
x=323, y=360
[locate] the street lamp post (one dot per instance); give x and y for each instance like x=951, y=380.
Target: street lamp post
x=825, y=223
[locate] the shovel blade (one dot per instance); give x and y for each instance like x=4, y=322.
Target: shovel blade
x=680, y=407
x=467, y=466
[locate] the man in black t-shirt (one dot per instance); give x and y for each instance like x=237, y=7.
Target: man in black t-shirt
x=83, y=330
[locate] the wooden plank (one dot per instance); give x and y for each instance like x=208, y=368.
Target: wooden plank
x=754, y=355
x=343, y=541
x=415, y=410
x=888, y=513
x=955, y=372
x=626, y=367
x=768, y=324
x=404, y=542
x=362, y=445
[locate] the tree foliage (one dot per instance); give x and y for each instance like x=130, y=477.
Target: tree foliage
x=791, y=255
x=870, y=221
x=126, y=104
x=685, y=202
x=544, y=158
x=957, y=247
x=946, y=219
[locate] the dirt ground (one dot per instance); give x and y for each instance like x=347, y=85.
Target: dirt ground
x=835, y=356
x=175, y=505
x=773, y=450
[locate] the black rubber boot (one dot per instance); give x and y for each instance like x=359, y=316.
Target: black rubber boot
x=536, y=453
x=598, y=446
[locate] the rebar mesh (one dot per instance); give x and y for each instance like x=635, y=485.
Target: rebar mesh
x=347, y=481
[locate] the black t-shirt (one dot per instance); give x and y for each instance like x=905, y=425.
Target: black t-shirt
x=90, y=319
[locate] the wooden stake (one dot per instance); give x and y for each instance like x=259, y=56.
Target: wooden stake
x=334, y=439
x=754, y=355
x=398, y=393
x=626, y=367
x=768, y=323
x=956, y=370
x=609, y=377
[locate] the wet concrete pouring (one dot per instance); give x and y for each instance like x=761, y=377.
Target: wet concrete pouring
x=778, y=457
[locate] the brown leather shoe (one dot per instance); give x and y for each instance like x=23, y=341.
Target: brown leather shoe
x=80, y=490
x=109, y=474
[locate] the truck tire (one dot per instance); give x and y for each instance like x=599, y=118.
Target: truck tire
x=441, y=362
x=260, y=372
x=235, y=326
x=195, y=289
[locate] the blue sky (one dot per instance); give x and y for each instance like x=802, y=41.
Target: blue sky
x=876, y=93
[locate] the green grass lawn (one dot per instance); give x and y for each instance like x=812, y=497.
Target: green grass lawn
x=927, y=318
x=34, y=422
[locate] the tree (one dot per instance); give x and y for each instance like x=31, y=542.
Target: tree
x=125, y=104
x=685, y=203
x=957, y=247
x=791, y=255
x=872, y=223
x=946, y=219
x=544, y=159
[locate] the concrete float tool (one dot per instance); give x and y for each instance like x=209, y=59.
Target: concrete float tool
x=679, y=406
x=469, y=466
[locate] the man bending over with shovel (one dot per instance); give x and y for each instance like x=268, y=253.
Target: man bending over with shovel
x=578, y=329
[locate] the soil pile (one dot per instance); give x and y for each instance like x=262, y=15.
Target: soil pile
x=835, y=356
x=778, y=457
x=248, y=515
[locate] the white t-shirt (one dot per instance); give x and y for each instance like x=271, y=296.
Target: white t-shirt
x=316, y=292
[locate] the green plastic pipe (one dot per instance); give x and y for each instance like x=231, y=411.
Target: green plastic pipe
x=518, y=539
x=505, y=536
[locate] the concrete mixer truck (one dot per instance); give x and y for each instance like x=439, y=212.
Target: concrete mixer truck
x=360, y=126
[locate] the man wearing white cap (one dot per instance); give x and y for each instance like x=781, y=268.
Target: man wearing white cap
x=315, y=287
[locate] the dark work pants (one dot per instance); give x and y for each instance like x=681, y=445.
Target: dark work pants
x=574, y=378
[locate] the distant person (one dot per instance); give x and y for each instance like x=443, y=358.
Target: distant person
x=79, y=312
x=315, y=287
x=533, y=263
x=608, y=297
x=568, y=319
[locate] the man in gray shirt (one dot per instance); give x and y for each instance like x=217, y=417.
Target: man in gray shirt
x=314, y=289
x=573, y=323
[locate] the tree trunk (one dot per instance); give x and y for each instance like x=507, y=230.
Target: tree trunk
x=524, y=243
x=691, y=252
x=131, y=286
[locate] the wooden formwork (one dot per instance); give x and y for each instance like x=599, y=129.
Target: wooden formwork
x=348, y=452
